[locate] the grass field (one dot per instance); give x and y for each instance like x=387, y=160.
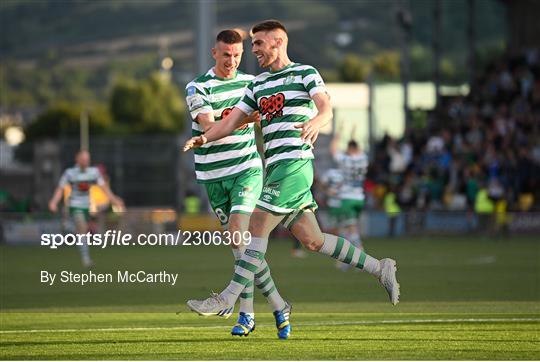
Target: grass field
x=462, y=298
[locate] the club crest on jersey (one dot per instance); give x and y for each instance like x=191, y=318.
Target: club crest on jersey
x=289, y=79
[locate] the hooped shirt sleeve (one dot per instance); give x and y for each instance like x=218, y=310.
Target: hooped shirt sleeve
x=197, y=100
x=313, y=82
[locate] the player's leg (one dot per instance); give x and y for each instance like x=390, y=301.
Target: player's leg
x=233, y=218
x=244, y=193
x=80, y=219
x=280, y=190
x=359, y=207
x=261, y=223
x=306, y=229
x=260, y=226
x=238, y=223
x=347, y=224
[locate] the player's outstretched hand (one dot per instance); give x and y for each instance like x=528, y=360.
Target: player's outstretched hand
x=194, y=142
x=118, y=204
x=309, y=132
x=53, y=207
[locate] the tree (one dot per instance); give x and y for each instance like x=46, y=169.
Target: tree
x=386, y=65
x=63, y=118
x=353, y=69
x=152, y=105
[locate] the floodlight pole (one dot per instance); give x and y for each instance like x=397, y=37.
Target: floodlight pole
x=205, y=33
x=404, y=19
x=471, y=37
x=84, y=137
x=437, y=51
x=371, y=116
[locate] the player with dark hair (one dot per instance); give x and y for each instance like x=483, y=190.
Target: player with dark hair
x=294, y=105
x=231, y=169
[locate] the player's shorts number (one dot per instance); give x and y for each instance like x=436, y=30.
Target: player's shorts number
x=221, y=216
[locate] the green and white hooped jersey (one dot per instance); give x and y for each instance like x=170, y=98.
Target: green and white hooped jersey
x=80, y=182
x=354, y=170
x=333, y=180
x=284, y=100
x=231, y=155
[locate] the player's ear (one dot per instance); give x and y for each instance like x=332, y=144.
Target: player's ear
x=214, y=53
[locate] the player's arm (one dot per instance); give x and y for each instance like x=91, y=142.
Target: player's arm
x=58, y=192
x=334, y=143
x=310, y=129
x=222, y=129
x=115, y=200
x=55, y=199
x=206, y=120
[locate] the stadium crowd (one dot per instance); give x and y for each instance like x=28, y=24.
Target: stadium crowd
x=480, y=149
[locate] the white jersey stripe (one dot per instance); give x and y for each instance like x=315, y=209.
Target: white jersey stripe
x=225, y=155
x=296, y=154
x=283, y=142
x=226, y=171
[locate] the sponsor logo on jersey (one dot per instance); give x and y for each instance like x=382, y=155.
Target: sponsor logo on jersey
x=245, y=192
x=270, y=191
x=83, y=186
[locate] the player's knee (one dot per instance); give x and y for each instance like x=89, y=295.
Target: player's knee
x=257, y=227
x=234, y=225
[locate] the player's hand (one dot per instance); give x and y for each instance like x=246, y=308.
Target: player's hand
x=195, y=142
x=118, y=204
x=53, y=207
x=309, y=133
x=254, y=117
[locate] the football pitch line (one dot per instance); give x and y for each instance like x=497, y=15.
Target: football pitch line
x=305, y=324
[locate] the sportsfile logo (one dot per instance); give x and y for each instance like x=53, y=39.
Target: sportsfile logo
x=120, y=238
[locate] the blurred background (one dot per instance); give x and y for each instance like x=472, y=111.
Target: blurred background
x=443, y=95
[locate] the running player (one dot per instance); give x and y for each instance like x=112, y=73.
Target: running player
x=353, y=164
x=332, y=181
x=294, y=105
x=230, y=169
x=81, y=177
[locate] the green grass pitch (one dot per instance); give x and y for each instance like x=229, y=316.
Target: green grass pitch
x=462, y=298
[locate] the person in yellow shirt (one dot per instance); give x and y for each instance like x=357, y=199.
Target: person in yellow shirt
x=392, y=210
